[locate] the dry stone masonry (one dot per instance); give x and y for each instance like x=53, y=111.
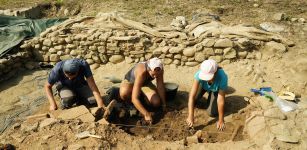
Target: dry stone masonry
x=109, y=38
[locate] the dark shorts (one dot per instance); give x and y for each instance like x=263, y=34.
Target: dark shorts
x=210, y=104
x=82, y=95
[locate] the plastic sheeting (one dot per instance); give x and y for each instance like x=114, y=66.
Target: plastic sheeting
x=15, y=29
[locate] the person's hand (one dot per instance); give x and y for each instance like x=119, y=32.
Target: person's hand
x=190, y=121
x=148, y=118
x=220, y=125
x=98, y=112
x=53, y=107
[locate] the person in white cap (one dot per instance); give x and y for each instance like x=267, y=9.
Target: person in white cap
x=212, y=79
x=138, y=80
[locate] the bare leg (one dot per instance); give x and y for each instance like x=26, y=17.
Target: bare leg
x=125, y=90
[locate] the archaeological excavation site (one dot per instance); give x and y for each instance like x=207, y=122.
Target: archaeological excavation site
x=163, y=51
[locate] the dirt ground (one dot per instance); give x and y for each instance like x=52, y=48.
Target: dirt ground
x=278, y=73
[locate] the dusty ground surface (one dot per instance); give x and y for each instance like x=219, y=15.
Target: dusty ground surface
x=286, y=73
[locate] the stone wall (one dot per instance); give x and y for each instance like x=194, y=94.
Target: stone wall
x=11, y=63
x=34, y=12
x=100, y=46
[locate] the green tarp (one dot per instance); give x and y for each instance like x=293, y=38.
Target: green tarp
x=14, y=29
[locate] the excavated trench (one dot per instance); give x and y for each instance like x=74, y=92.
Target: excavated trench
x=171, y=125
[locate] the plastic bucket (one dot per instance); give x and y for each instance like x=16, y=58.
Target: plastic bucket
x=171, y=90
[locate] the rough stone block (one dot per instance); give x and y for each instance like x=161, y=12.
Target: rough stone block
x=73, y=113
x=47, y=122
x=223, y=43
x=189, y=52
x=192, y=140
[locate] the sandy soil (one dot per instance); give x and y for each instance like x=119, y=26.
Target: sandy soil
x=286, y=73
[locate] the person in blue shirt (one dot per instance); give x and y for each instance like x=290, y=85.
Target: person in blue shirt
x=212, y=79
x=75, y=84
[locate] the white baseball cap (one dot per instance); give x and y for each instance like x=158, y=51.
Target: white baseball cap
x=155, y=63
x=207, y=69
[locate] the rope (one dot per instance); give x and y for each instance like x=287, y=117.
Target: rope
x=190, y=130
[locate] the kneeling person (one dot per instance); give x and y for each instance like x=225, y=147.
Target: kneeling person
x=69, y=78
x=212, y=79
x=138, y=80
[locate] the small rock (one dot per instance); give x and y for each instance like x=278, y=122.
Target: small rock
x=218, y=59
x=279, y=16
x=47, y=122
x=71, y=46
x=294, y=19
x=242, y=55
x=175, y=50
x=73, y=53
x=47, y=42
x=90, y=61
x=149, y=137
x=230, y=53
x=167, y=61
x=192, y=140
x=190, y=51
x=52, y=51
x=66, y=12
x=200, y=57
x=54, y=58
x=301, y=20
x=65, y=57
x=208, y=51
x=208, y=42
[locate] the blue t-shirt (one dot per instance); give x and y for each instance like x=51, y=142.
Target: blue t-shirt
x=220, y=81
x=57, y=75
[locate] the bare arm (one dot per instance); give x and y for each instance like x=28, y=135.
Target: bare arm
x=96, y=93
x=48, y=90
x=161, y=88
x=220, y=103
x=191, y=102
x=136, y=91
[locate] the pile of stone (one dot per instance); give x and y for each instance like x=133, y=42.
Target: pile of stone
x=270, y=128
